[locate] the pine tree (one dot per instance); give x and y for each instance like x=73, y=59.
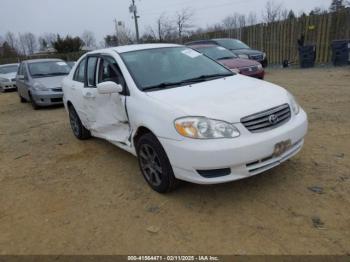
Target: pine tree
x=337, y=5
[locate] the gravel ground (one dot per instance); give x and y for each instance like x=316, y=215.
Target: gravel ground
x=59, y=195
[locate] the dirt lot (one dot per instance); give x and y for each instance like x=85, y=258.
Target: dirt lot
x=59, y=195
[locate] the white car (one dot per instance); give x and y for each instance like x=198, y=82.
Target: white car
x=8, y=74
x=183, y=115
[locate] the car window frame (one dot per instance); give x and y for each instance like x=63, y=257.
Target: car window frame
x=86, y=81
x=77, y=69
x=118, y=70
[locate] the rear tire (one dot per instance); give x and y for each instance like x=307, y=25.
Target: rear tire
x=78, y=128
x=155, y=165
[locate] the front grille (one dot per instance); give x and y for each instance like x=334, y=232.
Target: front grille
x=56, y=100
x=257, y=57
x=58, y=89
x=251, y=69
x=268, y=119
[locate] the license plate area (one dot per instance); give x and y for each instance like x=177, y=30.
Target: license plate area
x=282, y=147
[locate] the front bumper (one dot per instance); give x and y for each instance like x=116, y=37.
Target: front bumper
x=8, y=85
x=245, y=156
x=47, y=98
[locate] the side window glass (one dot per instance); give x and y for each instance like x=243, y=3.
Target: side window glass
x=109, y=71
x=20, y=70
x=25, y=73
x=91, y=71
x=80, y=72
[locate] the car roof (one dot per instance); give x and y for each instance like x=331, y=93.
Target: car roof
x=10, y=65
x=224, y=39
x=136, y=47
x=198, y=45
x=42, y=60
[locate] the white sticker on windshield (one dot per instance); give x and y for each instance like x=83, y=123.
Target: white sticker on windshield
x=221, y=48
x=191, y=53
x=61, y=63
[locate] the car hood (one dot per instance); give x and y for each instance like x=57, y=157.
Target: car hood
x=9, y=75
x=247, y=51
x=227, y=99
x=238, y=63
x=51, y=82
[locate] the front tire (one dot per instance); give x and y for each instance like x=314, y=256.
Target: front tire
x=155, y=165
x=22, y=99
x=33, y=103
x=78, y=128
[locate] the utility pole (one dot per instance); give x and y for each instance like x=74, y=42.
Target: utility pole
x=133, y=10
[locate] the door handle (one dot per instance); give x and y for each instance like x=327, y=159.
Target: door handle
x=89, y=95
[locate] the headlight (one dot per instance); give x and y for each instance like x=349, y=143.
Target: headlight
x=40, y=87
x=235, y=70
x=3, y=80
x=205, y=128
x=294, y=104
x=264, y=56
x=244, y=56
x=260, y=67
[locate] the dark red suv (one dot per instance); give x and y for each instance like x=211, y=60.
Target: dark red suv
x=230, y=60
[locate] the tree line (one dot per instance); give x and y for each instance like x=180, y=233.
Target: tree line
x=165, y=29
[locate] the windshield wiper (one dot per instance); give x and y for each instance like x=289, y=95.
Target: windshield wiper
x=161, y=86
x=226, y=57
x=204, y=78
x=58, y=74
x=201, y=78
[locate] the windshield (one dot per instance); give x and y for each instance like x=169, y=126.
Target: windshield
x=162, y=68
x=217, y=52
x=47, y=69
x=232, y=44
x=8, y=69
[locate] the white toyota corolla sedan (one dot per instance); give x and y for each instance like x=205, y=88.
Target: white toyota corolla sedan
x=183, y=115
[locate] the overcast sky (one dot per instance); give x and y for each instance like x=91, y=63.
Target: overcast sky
x=74, y=16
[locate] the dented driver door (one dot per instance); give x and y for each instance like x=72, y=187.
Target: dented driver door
x=107, y=117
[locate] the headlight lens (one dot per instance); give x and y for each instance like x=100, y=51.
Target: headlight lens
x=40, y=87
x=260, y=67
x=264, y=55
x=205, y=128
x=244, y=56
x=235, y=70
x=294, y=104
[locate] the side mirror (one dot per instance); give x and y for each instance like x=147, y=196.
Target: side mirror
x=109, y=87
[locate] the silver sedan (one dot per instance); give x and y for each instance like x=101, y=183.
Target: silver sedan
x=39, y=81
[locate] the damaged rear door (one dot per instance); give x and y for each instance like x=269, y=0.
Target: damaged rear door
x=107, y=116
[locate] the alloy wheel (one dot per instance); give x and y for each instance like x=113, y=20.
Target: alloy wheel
x=150, y=165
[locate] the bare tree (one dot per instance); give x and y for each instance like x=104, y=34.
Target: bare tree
x=272, y=11
x=11, y=40
x=47, y=39
x=183, y=20
x=22, y=48
x=123, y=33
x=252, y=19
x=284, y=14
x=31, y=42
x=89, y=39
x=165, y=28
x=231, y=21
